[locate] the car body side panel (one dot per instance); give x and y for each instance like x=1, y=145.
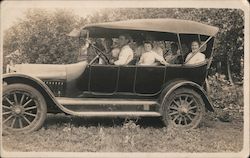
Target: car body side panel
x=74, y=72
x=193, y=73
x=83, y=81
x=149, y=79
x=103, y=78
x=140, y=81
x=126, y=79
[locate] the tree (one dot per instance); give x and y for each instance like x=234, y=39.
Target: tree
x=41, y=36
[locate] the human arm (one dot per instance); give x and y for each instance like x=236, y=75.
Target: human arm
x=141, y=59
x=121, y=59
x=188, y=57
x=200, y=58
x=160, y=59
x=197, y=58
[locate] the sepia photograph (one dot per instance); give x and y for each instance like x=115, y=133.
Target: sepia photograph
x=125, y=78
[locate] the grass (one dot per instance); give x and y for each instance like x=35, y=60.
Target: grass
x=75, y=134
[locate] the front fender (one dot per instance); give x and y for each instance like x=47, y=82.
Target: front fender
x=188, y=84
x=35, y=82
x=12, y=78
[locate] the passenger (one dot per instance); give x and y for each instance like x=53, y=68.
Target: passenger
x=89, y=53
x=112, y=51
x=108, y=43
x=158, y=46
x=195, y=56
x=150, y=57
x=99, y=43
x=184, y=49
x=107, y=47
x=139, y=49
x=126, y=54
x=175, y=53
x=115, y=53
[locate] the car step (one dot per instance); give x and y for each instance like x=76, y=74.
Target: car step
x=92, y=107
x=118, y=114
x=95, y=101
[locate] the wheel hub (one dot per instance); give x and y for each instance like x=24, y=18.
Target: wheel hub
x=17, y=110
x=183, y=110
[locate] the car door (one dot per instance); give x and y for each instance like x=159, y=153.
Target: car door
x=103, y=78
x=149, y=79
x=126, y=78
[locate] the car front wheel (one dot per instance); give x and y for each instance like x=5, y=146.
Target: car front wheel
x=183, y=109
x=23, y=109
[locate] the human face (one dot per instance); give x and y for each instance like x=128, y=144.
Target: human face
x=122, y=41
x=147, y=47
x=195, y=46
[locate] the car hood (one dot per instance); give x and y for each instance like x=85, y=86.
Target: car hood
x=42, y=71
x=47, y=71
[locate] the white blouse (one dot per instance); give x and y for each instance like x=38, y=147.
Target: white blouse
x=197, y=58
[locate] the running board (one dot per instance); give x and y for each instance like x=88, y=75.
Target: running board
x=118, y=114
x=99, y=107
x=95, y=101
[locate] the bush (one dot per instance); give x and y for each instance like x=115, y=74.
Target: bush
x=226, y=97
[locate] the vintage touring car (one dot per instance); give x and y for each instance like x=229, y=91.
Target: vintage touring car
x=175, y=92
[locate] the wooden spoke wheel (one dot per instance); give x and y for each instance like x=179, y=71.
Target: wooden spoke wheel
x=23, y=109
x=183, y=109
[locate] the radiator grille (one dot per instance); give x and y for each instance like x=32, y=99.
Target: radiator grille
x=57, y=87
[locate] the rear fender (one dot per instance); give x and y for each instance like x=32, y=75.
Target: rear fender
x=188, y=84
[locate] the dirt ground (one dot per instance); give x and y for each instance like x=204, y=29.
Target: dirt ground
x=75, y=134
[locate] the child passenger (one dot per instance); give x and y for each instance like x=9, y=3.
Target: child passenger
x=150, y=57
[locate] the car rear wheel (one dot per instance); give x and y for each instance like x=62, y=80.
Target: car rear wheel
x=183, y=109
x=23, y=109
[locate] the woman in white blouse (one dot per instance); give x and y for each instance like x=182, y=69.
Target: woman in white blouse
x=195, y=56
x=150, y=57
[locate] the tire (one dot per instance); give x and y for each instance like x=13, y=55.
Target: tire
x=183, y=109
x=24, y=109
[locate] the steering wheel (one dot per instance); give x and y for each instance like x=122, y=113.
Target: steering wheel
x=101, y=54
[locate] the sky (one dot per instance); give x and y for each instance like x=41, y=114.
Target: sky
x=11, y=12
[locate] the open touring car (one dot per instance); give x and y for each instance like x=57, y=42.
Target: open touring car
x=175, y=92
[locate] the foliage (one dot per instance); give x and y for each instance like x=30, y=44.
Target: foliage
x=227, y=99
